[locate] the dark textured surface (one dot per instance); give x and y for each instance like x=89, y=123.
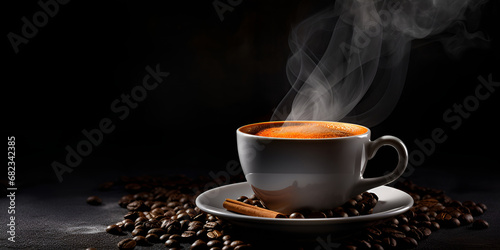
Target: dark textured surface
x=56, y=216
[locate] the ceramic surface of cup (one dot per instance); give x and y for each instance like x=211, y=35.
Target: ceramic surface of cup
x=289, y=174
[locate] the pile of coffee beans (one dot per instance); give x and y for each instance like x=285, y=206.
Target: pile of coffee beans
x=361, y=204
x=432, y=210
x=162, y=211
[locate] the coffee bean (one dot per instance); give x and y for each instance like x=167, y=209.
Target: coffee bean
x=352, y=212
x=171, y=243
x=127, y=244
x=435, y=226
x=363, y=244
x=214, y=243
x=422, y=217
x=453, y=222
x=198, y=244
x=408, y=242
x=164, y=237
x=242, y=247
x=153, y=238
x=482, y=206
x=137, y=206
x=114, y=229
x=139, y=231
x=296, y=215
x=214, y=234
x=480, y=224
x=236, y=243
x=415, y=233
x=389, y=242
x=426, y=232
x=94, y=200
x=141, y=241
x=466, y=219
x=188, y=236
x=468, y=203
x=316, y=214
x=211, y=225
x=393, y=232
x=476, y=210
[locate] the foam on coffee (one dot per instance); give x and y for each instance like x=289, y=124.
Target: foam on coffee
x=310, y=130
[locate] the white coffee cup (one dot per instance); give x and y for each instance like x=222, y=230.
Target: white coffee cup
x=290, y=174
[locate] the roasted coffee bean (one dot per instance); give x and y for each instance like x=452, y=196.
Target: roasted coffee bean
x=214, y=234
x=237, y=243
x=141, y=241
x=153, y=238
x=198, y=244
x=139, y=231
x=350, y=203
x=426, y=232
x=194, y=227
x=453, y=222
x=363, y=244
x=316, y=214
x=214, y=243
x=374, y=231
x=435, y=226
x=468, y=203
x=377, y=246
x=476, y=210
x=226, y=237
x=137, y=206
x=415, y=233
x=422, y=217
x=242, y=198
x=482, y=206
x=352, y=212
x=212, y=225
x=296, y=215
x=480, y=224
x=94, y=200
x=164, y=237
x=407, y=242
x=129, y=226
x=170, y=243
x=158, y=231
x=243, y=247
x=127, y=244
x=114, y=229
x=389, y=242
x=188, y=236
x=393, y=232
x=404, y=228
x=183, y=216
x=466, y=219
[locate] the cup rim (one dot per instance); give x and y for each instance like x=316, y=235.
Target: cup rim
x=239, y=130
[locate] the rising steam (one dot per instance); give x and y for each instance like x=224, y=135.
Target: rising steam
x=349, y=62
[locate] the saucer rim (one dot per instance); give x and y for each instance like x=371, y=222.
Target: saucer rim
x=336, y=220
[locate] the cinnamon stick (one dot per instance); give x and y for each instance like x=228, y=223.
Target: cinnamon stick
x=247, y=209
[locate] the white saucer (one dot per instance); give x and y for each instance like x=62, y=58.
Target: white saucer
x=391, y=202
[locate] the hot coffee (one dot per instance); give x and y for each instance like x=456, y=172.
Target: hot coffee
x=309, y=130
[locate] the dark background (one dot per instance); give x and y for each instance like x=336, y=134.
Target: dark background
x=223, y=74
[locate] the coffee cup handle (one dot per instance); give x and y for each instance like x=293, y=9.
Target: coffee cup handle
x=371, y=149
